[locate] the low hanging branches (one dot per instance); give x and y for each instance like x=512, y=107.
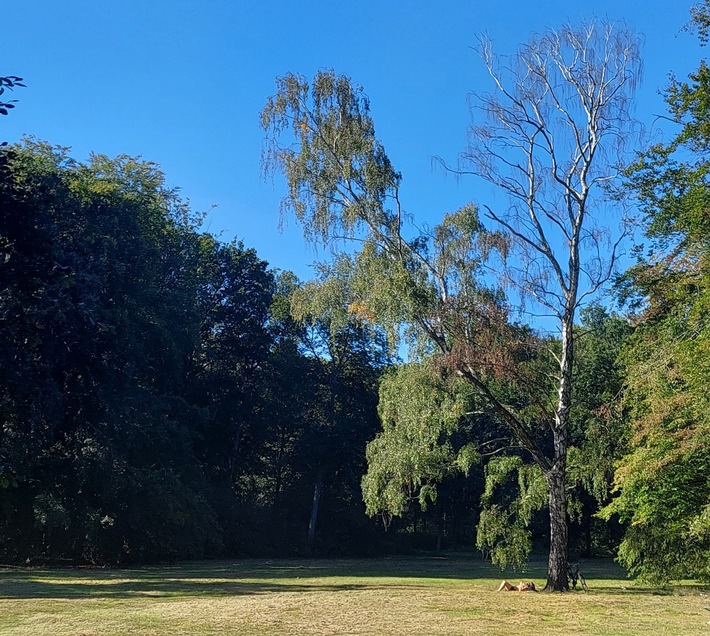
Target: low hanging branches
x=550, y=143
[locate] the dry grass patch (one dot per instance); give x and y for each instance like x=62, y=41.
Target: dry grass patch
x=400, y=596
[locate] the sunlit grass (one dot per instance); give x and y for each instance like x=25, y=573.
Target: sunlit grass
x=404, y=596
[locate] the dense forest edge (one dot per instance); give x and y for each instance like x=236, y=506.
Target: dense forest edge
x=167, y=395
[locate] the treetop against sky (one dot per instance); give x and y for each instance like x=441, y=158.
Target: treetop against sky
x=182, y=83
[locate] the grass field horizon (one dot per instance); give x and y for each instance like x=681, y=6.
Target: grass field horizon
x=453, y=594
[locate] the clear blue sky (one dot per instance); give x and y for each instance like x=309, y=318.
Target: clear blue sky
x=181, y=83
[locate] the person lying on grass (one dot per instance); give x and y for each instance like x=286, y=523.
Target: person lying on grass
x=523, y=586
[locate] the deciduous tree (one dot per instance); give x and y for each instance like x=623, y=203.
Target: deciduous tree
x=549, y=144
x=663, y=480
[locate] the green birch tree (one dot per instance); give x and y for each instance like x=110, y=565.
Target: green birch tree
x=550, y=145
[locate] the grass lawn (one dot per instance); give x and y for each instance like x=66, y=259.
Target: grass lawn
x=407, y=596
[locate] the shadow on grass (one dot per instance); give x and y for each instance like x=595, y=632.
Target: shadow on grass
x=218, y=578
x=98, y=587
x=251, y=576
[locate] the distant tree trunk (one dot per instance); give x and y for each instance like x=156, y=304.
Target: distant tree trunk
x=588, y=538
x=278, y=481
x=317, y=491
x=439, y=531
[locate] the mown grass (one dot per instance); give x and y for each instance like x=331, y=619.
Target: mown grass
x=399, y=596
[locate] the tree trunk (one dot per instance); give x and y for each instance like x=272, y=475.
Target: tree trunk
x=556, y=476
x=440, y=520
x=557, y=561
x=317, y=490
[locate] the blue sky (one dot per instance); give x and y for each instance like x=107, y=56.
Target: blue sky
x=181, y=83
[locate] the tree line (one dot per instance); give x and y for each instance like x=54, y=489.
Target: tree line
x=157, y=400
x=167, y=395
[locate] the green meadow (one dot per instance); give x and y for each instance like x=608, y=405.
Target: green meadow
x=425, y=595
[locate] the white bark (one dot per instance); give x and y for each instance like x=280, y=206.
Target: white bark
x=554, y=138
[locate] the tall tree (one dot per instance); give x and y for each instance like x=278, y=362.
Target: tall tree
x=663, y=481
x=553, y=142
x=564, y=112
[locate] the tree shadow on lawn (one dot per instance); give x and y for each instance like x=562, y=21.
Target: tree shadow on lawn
x=213, y=578
x=260, y=576
x=633, y=589
x=456, y=566
x=69, y=586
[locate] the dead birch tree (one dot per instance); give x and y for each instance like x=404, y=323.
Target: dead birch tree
x=555, y=134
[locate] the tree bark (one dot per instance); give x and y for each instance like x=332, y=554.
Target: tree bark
x=317, y=490
x=556, y=477
x=439, y=530
x=557, y=560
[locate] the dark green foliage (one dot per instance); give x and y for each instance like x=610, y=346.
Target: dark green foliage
x=599, y=429
x=112, y=311
x=228, y=368
x=9, y=83
x=663, y=481
x=158, y=398
x=333, y=414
